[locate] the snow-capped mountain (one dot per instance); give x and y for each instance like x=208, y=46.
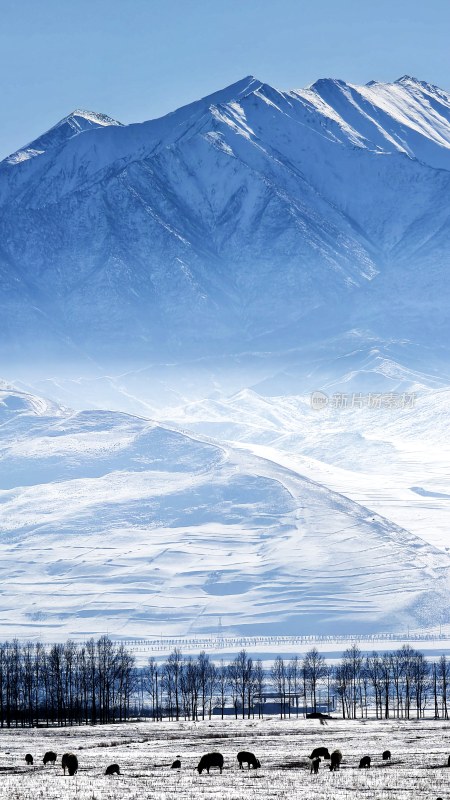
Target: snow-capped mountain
x=251, y=219
x=76, y=122
x=113, y=522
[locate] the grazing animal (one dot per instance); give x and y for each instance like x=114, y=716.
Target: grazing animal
x=50, y=757
x=244, y=757
x=29, y=758
x=387, y=755
x=448, y=762
x=315, y=765
x=364, y=762
x=113, y=769
x=320, y=752
x=176, y=764
x=210, y=760
x=69, y=761
x=318, y=715
x=336, y=758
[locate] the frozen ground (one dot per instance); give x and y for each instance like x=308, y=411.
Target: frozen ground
x=144, y=752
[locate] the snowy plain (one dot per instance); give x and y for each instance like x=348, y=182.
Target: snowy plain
x=145, y=751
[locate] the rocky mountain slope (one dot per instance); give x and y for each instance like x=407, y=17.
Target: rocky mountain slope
x=251, y=219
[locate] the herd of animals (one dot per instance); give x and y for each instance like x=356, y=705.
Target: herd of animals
x=69, y=761
x=335, y=759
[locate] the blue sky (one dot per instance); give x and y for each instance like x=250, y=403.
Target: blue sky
x=138, y=59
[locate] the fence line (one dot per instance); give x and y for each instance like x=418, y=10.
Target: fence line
x=215, y=642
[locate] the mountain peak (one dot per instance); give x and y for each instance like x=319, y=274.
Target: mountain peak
x=242, y=85
x=94, y=118
x=233, y=92
x=406, y=79
x=327, y=83
x=78, y=121
x=409, y=80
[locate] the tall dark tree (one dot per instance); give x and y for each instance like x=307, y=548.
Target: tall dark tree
x=278, y=678
x=315, y=669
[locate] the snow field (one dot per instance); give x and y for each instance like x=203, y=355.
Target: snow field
x=394, y=462
x=145, y=751
x=123, y=525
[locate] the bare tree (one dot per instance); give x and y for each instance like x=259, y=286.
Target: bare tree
x=242, y=667
x=278, y=678
x=352, y=662
x=443, y=677
x=294, y=672
x=223, y=679
x=314, y=670
x=259, y=683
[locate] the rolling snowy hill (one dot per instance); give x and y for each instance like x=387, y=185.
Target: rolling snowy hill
x=113, y=522
x=394, y=461
x=253, y=219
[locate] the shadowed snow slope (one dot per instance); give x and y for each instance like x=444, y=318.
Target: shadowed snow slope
x=251, y=218
x=112, y=522
x=395, y=461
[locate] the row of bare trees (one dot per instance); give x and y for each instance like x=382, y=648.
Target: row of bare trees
x=98, y=682
x=400, y=683
x=65, y=684
x=191, y=688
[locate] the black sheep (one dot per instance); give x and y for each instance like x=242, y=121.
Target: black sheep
x=245, y=757
x=387, y=755
x=69, y=761
x=210, y=760
x=320, y=752
x=176, y=764
x=113, y=769
x=336, y=758
x=50, y=757
x=29, y=759
x=364, y=762
x=318, y=715
x=315, y=765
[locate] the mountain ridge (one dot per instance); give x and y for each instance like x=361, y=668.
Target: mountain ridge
x=244, y=213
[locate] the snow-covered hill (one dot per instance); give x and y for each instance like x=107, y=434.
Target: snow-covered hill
x=394, y=461
x=253, y=219
x=112, y=522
